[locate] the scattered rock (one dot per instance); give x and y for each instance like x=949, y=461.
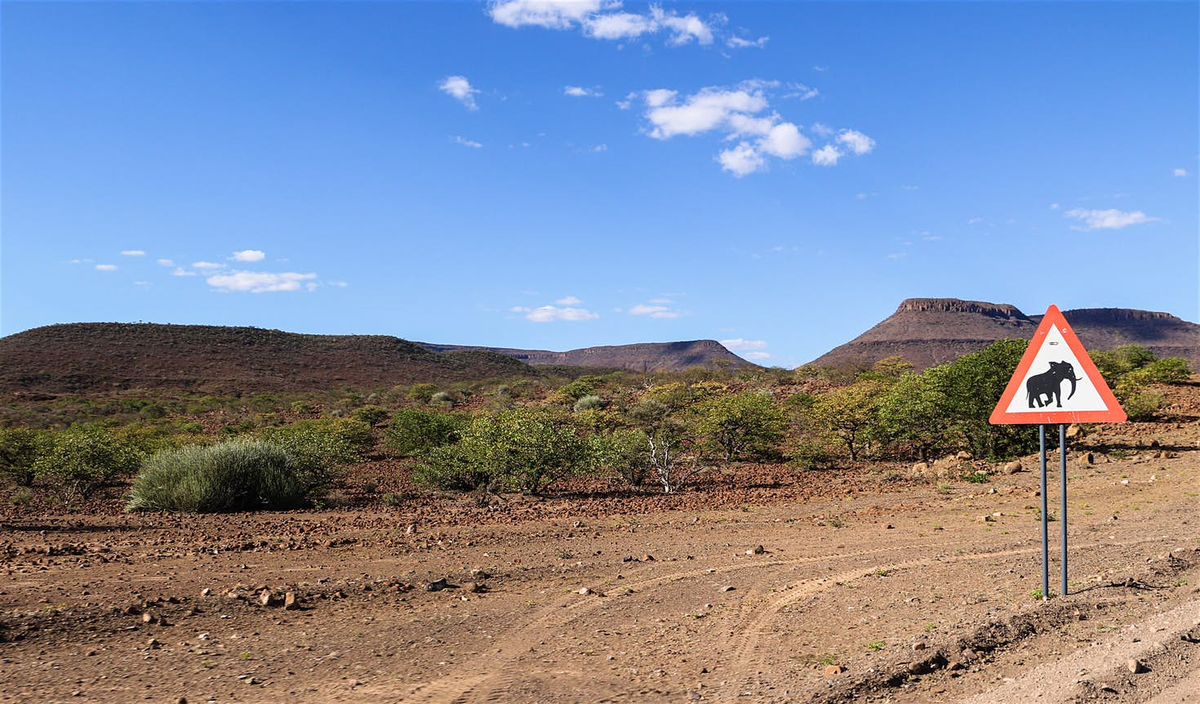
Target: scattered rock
x=725, y=588
x=956, y=665
x=834, y=670
x=149, y=617
x=920, y=645
x=1135, y=666
x=436, y=585
x=266, y=598
x=1074, y=431
x=962, y=455
x=1089, y=458
x=290, y=602
x=477, y=587
x=205, y=592
x=584, y=591
x=153, y=644
x=1012, y=467
x=920, y=468
x=756, y=550
x=647, y=558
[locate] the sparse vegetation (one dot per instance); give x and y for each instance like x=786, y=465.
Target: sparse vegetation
x=236, y=475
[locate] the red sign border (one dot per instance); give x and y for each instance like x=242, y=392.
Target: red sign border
x=1054, y=317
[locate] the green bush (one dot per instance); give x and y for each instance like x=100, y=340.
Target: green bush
x=625, y=452
x=19, y=450
x=524, y=449
x=332, y=441
x=82, y=460
x=813, y=455
x=578, y=389
x=414, y=431
x=449, y=467
x=422, y=392
x=442, y=398
x=371, y=415
x=236, y=475
x=589, y=402
x=739, y=426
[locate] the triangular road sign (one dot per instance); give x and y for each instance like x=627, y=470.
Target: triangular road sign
x=1056, y=382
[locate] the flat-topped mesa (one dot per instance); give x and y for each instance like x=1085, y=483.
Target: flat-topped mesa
x=1118, y=316
x=956, y=305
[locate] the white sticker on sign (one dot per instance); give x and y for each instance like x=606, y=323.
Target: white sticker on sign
x=1055, y=381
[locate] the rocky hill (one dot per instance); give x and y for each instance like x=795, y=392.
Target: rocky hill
x=89, y=357
x=932, y=331
x=642, y=357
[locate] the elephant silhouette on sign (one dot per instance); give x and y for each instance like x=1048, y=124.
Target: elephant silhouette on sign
x=1048, y=384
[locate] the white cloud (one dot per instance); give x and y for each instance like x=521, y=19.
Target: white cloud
x=569, y=301
x=757, y=355
x=603, y=19
x=180, y=271
x=459, y=88
x=741, y=160
x=599, y=148
x=739, y=43
x=1108, y=219
x=467, y=142
x=618, y=25
x=741, y=344
x=785, y=141
x=827, y=155
x=801, y=91
x=627, y=102
x=581, y=92
x=743, y=113
x=820, y=69
x=339, y=284
x=550, y=314
x=132, y=253
x=683, y=28
x=858, y=142
x=206, y=265
x=258, y=281
x=706, y=110
x=822, y=130
x=166, y=262
x=551, y=14
x=1180, y=172
x=249, y=255
x=1054, y=206
x=106, y=267
x=659, y=312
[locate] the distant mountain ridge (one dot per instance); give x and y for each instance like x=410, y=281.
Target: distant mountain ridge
x=932, y=331
x=88, y=357
x=640, y=357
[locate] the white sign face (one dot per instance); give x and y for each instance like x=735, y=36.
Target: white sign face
x=1056, y=382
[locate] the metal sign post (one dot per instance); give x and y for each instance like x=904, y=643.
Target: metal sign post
x=1035, y=394
x=1062, y=468
x=1045, y=519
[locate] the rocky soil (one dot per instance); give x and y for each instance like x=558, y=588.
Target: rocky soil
x=865, y=586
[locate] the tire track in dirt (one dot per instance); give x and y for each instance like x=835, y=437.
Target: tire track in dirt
x=500, y=676
x=747, y=659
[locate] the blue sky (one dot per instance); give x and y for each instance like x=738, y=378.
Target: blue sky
x=558, y=175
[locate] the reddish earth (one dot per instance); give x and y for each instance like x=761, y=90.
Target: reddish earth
x=856, y=569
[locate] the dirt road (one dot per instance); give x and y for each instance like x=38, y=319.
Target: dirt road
x=916, y=592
